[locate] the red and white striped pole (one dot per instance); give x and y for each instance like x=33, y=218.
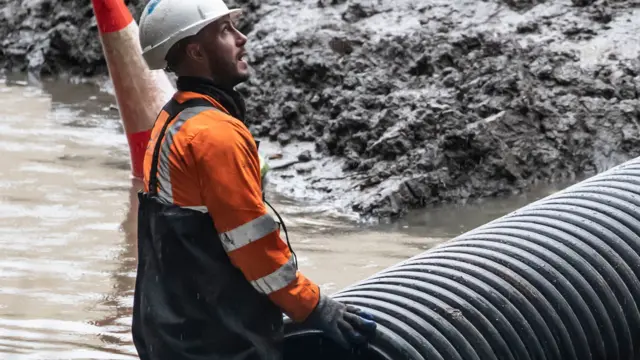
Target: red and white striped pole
x=140, y=92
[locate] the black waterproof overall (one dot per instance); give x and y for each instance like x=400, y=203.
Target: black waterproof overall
x=190, y=302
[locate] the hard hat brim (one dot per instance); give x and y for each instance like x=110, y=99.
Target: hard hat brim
x=235, y=13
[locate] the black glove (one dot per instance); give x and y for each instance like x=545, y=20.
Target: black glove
x=345, y=324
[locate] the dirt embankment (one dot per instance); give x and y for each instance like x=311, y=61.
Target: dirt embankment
x=403, y=104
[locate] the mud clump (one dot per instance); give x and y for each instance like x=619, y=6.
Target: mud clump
x=416, y=104
x=52, y=37
x=457, y=106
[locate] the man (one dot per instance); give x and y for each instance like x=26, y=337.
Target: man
x=214, y=275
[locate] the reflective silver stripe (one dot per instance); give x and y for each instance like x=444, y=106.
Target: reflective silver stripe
x=277, y=279
x=164, y=179
x=248, y=232
x=202, y=209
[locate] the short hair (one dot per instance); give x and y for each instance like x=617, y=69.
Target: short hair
x=176, y=54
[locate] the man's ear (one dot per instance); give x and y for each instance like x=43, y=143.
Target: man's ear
x=194, y=51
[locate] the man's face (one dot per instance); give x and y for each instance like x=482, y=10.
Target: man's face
x=223, y=47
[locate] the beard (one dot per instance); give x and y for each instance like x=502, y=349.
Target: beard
x=229, y=72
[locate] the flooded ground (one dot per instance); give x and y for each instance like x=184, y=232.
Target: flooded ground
x=67, y=234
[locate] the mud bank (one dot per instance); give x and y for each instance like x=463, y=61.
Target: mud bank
x=382, y=106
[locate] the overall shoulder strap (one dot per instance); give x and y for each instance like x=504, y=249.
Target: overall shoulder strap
x=173, y=108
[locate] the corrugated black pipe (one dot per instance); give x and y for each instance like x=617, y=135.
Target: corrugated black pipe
x=557, y=279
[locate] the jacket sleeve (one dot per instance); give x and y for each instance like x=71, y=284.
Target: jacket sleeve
x=228, y=169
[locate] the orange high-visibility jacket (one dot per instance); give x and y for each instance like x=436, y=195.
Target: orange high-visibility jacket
x=209, y=162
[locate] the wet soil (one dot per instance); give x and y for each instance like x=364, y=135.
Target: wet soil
x=383, y=106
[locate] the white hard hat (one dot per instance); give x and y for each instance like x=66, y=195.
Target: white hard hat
x=165, y=22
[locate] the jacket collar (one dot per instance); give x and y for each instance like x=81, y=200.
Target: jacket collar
x=230, y=99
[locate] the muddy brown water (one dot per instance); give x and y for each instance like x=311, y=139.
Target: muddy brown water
x=67, y=232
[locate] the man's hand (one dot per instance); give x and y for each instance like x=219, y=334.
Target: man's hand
x=345, y=324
